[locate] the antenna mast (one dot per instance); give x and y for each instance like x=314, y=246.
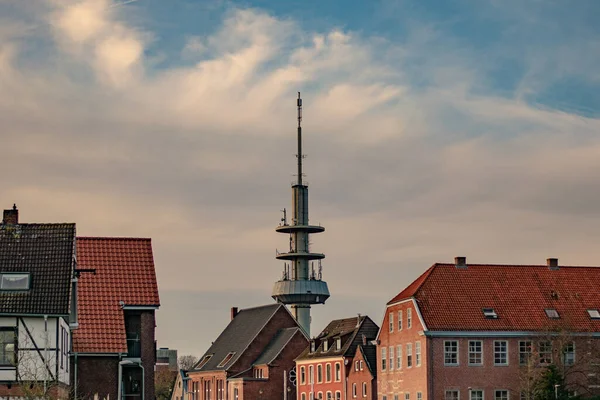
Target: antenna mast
x=299, y=155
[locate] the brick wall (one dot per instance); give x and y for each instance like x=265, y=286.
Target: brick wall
x=396, y=381
x=285, y=362
x=324, y=386
x=57, y=391
x=96, y=374
x=148, y=344
x=359, y=377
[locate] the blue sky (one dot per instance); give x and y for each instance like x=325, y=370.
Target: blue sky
x=433, y=129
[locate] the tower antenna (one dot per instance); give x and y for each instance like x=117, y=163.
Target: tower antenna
x=299, y=155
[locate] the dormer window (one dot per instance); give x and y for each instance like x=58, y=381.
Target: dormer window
x=312, y=346
x=594, y=314
x=14, y=281
x=204, y=360
x=489, y=313
x=338, y=343
x=325, y=345
x=552, y=313
x=227, y=358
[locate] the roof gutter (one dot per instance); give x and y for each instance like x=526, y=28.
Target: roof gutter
x=504, y=333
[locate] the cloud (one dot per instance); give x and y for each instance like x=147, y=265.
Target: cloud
x=413, y=155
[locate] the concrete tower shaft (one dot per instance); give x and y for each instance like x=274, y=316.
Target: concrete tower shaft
x=300, y=286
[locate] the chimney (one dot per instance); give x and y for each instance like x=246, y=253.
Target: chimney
x=460, y=262
x=234, y=312
x=552, y=263
x=11, y=216
x=358, y=320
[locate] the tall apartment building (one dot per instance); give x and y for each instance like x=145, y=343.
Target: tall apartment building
x=486, y=332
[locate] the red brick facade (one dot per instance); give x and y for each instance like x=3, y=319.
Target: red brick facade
x=309, y=383
x=362, y=383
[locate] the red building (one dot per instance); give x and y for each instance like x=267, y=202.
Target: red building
x=251, y=359
x=464, y=331
x=339, y=363
x=114, y=351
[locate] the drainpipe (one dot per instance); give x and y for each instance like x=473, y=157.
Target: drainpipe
x=46, y=352
x=143, y=380
x=75, y=376
x=120, y=382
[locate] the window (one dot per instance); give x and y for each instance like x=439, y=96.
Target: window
x=204, y=361
x=329, y=396
x=475, y=394
x=207, y=390
x=356, y=365
x=395, y=397
x=408, y=355
x=419, y=396
x=525, y=351
x=7, y=349
x=319, y=373
x=311, y=374
x=338, y=343
x=391, y=362
x=500, y=352
x=236, y=394
x=338, y=395
x=409, y=318
x=364, y=389
x=450, y=352
x=489, y=313
x=569, y=353
x=338, y=373
x=452, y=395
x=418, y=353
x=302, y=375
x=399, y=356
x=14, y=281
x=594, y=314
x=475, y=352
x=303, y=396
x=312, y=346
x=391, y=321
x=383, y=358
x=328, y=372
x=552, y=313
x=361, y=365
x=325, y=345
x=400, y=320
x=354, y=390
x=545, y=352
x=500, y=394
x=406, y=396
x=320, y=396
x=227, y=358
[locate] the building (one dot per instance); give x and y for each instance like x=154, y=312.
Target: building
x=37, y=266
x=166, y=359
x=300, y=286
x=179, y=388
x=326, y=368
x=114, y=346
x=251, y=359
x=475, y=331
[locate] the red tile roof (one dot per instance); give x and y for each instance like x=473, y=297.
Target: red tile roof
x=452, y=299
x=124, y=273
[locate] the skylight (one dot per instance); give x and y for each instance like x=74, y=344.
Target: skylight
x=490, y=313
x=227, y=358
x=552, y=313
x=203, y=362
x=594, y=314
x=14, y=281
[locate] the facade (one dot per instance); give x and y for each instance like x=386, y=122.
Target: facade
x=37, y=266
x=478, y=332
x=114, y=351
x=326, y=368
x=251, y=359
x=166, y=359
x=179, y=388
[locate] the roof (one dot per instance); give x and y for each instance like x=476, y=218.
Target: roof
x=46, y=252
x=237, y=336
x=350, y=330
x=277, y=344
x=369, y=353
x=452, y=299
x=124, y=273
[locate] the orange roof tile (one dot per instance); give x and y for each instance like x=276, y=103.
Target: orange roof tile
x=124, y=273
x=452, y=299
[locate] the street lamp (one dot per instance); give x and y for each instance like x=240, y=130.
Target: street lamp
x=556, y=391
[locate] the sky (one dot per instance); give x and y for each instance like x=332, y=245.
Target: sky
x=432, y=129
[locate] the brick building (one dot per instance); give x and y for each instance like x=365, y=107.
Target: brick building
x=251, y=359
x=465, y=331
x=114, y=351
x=326, y=368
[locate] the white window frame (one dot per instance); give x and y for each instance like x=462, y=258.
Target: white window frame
x=418, y=353
x=364, y=386
x=525, y=356
x=471, y=352
x=311, y=374
x=328, y=372
x=502, y=390
x=450, y=364
x=354, y=391
x=501, y=364
x=565, y=353
x=399, y=356
x=419, y=395
x=383, y=358
x=391, y=321
x=409, y=355
x=391, y=358
x=319, y=373
x=302, y=375
x=338, y=372
x=400, y=320
x=549, y=352
x=406, y=395
x=408, y=318
x=476, y=390
x=452, y=391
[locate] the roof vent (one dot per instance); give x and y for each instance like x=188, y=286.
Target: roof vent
x=552, y=313
x=552, y=263
x=234, y=312
x=489, y=313
x=460, y=262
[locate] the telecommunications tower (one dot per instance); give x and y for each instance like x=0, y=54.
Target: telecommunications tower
x=301, y=285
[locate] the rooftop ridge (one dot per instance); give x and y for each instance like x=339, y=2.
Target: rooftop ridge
x=113, y=238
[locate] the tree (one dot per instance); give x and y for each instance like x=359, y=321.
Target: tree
x=164, y=380
x=187, y=362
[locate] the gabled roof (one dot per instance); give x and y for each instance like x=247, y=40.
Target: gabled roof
x=46, y=252
x=350, y=330
x=369, y=353
x=124, y=273
x=452, y=299
x=276, y=346
x=237, y=336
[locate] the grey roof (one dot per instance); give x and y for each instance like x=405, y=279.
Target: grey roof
x=277, y=344
x=369, y=353
x=46, y=252
x=237, y=336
